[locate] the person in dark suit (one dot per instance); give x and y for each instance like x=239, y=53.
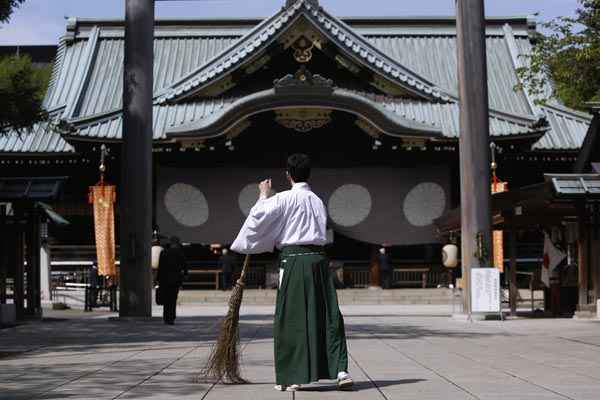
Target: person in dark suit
x=226, y=262
x=172, y=268
x=384, y=269
x=93, y=282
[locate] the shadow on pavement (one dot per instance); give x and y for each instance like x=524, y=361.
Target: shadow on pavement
x=92, y=335
x=363, y=385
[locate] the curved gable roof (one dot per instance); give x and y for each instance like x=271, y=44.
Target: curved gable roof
x=354, y=45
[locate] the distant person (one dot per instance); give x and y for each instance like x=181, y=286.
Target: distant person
x=384, y=269
x=226, y=262
x=172, y=267
x=157, y=249
x=93, y=281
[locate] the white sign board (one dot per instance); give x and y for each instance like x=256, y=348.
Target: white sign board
x=485, y=290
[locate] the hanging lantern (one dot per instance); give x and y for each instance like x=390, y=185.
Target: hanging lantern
x=450, y=256
x=102, y=197
x=497, y=235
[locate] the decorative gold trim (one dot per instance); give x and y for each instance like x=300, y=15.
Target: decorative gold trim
x=303, y=50
x=368, y=128
x=303, y=119
x=302, y=29
x=413, y=143
x=304, y=80
x=192, y=144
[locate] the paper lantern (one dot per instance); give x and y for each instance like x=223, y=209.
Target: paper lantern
x=450, y=256
x=156, y=250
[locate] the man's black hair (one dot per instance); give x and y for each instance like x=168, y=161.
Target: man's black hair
x=298, y=166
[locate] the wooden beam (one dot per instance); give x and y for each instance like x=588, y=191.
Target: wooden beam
x=136, y=164
x=474, y=141
x=526, y=222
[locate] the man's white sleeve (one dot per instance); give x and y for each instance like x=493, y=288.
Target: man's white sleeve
x=261, y=229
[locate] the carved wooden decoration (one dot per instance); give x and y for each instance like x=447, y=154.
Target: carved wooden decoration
x=303, y=119
x=303, y=81
x=302, y=29
x=303, y=50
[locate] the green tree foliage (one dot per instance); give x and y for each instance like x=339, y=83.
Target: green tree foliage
x=22, y=85
x=569, y=55
x=22, y=88
x=7, y=7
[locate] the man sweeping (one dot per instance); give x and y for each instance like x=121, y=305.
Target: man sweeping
x=308, y=330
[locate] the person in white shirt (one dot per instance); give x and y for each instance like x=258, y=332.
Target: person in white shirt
x=308, y=330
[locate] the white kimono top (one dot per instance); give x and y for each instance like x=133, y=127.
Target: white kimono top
x=294, y=217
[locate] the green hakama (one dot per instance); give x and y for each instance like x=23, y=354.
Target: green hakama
x=310, y=342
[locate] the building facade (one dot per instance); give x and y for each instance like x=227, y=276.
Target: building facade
x=374, y=101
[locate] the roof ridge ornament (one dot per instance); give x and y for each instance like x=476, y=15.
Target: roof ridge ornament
x=314, y=3
x=302, y=81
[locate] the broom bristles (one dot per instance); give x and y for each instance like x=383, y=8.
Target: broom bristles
x=224, y=359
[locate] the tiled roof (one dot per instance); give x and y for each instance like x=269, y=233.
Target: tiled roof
x=170, y=117
x=41, y=140
x=334, y=29
x=420, y=54
x=567, y=129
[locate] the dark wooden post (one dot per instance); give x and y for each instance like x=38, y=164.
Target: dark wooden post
x=513, y=290
x=474, y=140
x=34, y=306
x=136, y=161
x=4, y=250
x=374, y=267
x=583, y=256
x=18, y=288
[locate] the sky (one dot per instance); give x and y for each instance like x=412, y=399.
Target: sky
x=43, y=21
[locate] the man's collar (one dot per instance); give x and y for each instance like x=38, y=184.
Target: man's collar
x=300, y=186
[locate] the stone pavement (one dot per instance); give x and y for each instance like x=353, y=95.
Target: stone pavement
x=396, y=352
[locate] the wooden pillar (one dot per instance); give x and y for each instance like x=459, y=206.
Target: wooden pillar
x=19, y=288
x=35, y=243
x=583, y=257
x=5, y=249
x=595, y=266
x=374, y=267
x=474, y=141
x=136, y=163
x=513, y=290
x=29, y=268
x=595, y=250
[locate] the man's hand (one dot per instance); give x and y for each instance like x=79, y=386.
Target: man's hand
x=265, y=188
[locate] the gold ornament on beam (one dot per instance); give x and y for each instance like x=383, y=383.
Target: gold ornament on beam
x=303, y=50
x=303, y=119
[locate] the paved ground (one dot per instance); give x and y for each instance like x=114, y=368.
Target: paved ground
x=397, y=352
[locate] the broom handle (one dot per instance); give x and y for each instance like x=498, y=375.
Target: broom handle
x=244, y=269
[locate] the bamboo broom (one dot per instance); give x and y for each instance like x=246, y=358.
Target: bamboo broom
x=224, y=359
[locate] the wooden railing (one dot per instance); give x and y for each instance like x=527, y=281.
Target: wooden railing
x=77, y=260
